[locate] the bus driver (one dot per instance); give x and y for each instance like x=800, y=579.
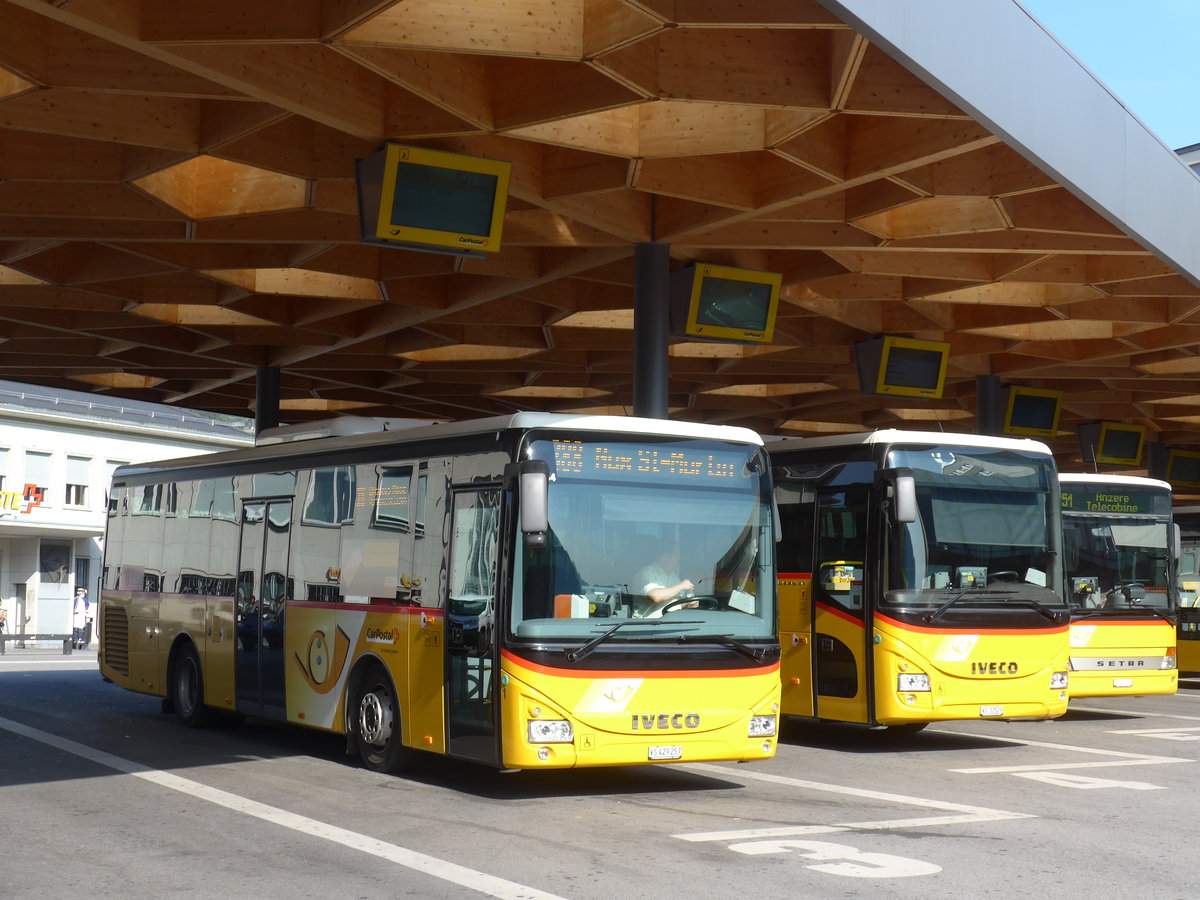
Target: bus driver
x=660, y=579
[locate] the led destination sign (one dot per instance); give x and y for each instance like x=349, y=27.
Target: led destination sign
x=1097, y=499
x=649, y=462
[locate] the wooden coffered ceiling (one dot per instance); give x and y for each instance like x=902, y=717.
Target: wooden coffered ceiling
x=177, y=208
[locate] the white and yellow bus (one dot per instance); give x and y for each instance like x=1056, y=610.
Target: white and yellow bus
x=466, y=589
x=919, y=579
x=1117, y=547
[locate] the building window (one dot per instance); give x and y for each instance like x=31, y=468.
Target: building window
x=77, y=480
x=37, y=473
x=54, y=562
x=3, y=467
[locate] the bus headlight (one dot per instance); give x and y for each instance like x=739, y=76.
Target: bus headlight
x=762, y=726
x=549, y=731
x=1058, y=680
x=914, y=682
x=1168, y=662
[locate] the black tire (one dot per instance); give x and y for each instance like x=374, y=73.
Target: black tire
x=187, y=690
x=375, y=718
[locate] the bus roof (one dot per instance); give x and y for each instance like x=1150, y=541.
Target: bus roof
x=1097, y=478
x=631, y=425
x=777, y=444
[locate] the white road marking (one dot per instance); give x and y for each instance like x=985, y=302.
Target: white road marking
x=1140, y=713
x=410, y=859
x=1115, y=757
x=964, y=814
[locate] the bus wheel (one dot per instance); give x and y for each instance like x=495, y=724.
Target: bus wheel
x=377, y=724
x=187, y=690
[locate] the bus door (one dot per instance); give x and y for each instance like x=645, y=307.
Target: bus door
x=470, y=626
x=841, y=617
x=263, y=589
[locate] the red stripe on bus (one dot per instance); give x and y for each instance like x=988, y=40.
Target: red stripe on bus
x=633, y=673
x=963, y=629
x=834, y=611
x=384, y=606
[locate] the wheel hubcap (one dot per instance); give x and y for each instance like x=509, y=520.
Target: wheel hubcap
x=375, y=718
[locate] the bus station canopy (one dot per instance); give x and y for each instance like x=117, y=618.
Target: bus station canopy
x=178, y=207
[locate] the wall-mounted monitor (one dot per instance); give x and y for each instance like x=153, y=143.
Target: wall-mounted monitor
x=415, y=198
x=1183, y=469
x=1032, y=412
x=721, y=303
x=1112, y=443
x=893, y=366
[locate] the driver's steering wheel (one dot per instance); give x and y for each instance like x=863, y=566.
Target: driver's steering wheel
x=703, y=602
x=1005, y=576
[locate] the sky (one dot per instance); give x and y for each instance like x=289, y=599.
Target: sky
x=1142, y=50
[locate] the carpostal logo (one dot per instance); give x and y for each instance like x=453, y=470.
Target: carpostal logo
x=474, y=242
x=383, y=635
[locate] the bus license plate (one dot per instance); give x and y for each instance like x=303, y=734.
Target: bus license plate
x=1122, y=682
x=673, y=751
x=996, y=710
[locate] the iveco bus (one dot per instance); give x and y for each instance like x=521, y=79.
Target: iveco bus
x=468, y=589
x=920, y=578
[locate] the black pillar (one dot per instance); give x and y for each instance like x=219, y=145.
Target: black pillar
x=266, y=398
x=651, y=328
x=989, y=415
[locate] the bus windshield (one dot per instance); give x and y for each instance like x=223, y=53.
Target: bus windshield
x=1116, y=546
x=689, y=520
x=985, y=531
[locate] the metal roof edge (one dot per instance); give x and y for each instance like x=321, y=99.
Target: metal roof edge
x=1001, y=65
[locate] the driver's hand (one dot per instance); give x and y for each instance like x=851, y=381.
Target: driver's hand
x=685, y=586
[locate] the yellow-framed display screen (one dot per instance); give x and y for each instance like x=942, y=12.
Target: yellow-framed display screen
x=444, y=202
x=724, y=303
x=1183, y=469
x=895, y=366
x=1119, y=444
x=1032, y=412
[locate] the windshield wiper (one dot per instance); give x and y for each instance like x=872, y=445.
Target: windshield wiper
x=590, y=646
x=1033, y=604
x=727, y=640
x=975, y=592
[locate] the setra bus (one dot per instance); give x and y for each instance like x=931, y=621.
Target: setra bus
x=1118, y=560
x=467, y=589
x=919, y=578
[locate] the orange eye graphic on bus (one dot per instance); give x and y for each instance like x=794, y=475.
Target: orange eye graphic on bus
x=325, y=663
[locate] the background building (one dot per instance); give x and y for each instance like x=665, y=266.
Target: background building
x=58, y=450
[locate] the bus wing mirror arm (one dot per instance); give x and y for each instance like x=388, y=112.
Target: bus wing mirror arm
x=1176, y=543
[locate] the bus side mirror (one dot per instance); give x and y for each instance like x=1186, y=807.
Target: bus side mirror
x=533, y=482
x=904, y=494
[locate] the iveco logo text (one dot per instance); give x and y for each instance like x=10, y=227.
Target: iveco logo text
x=665, y=721
x=993, y=668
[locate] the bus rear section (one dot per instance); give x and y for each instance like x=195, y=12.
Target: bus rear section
x=1117, y=548
x=919, y=579
x=474, y=590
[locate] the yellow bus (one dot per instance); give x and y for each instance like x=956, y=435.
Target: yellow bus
x=919, y=579
x=1117, y=553
x=467, y=589
x=1187, y=519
